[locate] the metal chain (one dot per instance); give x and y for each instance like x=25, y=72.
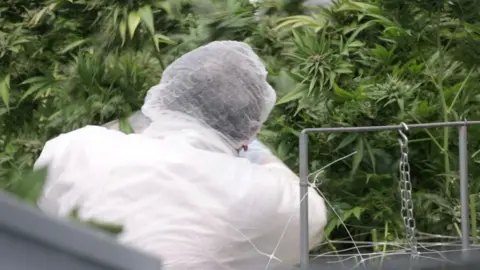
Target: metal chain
x=405, y=186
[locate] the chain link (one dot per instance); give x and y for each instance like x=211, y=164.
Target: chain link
x=405, y=186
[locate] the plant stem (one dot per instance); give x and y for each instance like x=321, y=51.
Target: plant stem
x=473, y=217
x=375, y=240
x=443, y=102
x=160, y=60
x=445, y=138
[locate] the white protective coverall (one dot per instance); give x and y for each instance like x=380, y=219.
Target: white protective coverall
x=180, y=189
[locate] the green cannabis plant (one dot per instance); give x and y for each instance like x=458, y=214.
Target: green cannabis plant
x=68, y=63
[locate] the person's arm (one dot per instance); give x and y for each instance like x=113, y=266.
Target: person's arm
x=56, y=157
x=52, y=152
x=261, y=156
x=278, y=194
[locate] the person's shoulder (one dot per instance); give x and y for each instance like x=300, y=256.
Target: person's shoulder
x=91, y=130
x=92, y=133
x=88, y=130
x=87, y=136
x=105, y=139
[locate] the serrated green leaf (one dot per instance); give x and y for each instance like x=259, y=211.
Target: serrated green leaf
x=358, y=156
x=34, y=88
x=107, y=227
x=33, y=80
x=123, y=30
x=401, y=105
x=296, y=94
x=357, y=212
x=133, y=21
x=282, y=149
x=155, y=43
x=339, y=92
x=346, y=141
x=73, y=45
x=332, y=224
x=5, y=90
x=371, y=155
x=125, y=126
x=164, y=39
x=146, y=15
x=356, y=44
x=343, y=70
x=3, y=111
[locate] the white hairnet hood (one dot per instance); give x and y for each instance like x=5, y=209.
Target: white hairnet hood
x=222, y=85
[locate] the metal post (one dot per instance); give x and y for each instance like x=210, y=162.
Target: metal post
x=463, y=159
x=304, y=245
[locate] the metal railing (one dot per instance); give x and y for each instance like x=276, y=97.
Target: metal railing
x=304, y=172
x=30, y=239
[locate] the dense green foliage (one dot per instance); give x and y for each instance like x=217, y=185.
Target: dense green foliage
x=65, y=64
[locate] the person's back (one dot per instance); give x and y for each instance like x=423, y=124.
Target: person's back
x=181, y=191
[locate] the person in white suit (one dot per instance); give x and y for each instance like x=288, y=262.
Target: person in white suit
x=195, y=187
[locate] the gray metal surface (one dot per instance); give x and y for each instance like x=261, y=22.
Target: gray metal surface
x=464, y=194
x=30, y=239
x=427, y=260
x=303, y=145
